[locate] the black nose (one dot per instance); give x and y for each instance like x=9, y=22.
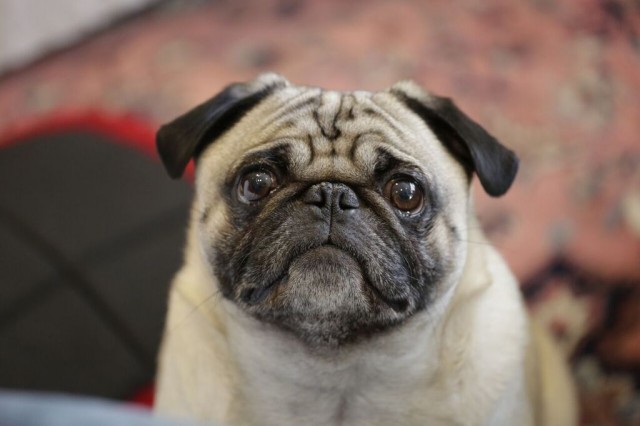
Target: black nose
x=336, y=198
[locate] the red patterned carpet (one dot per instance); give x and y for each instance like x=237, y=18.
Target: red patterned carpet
x=559, y=82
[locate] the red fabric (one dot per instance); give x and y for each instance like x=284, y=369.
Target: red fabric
x=128, y=129
x=144, y=396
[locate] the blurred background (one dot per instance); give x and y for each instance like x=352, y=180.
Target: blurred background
x=91, y=229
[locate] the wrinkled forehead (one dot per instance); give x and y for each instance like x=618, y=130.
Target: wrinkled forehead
x=330, y=135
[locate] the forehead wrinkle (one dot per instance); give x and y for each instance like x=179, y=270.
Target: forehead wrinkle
x=413, y=141
x=322, y=169
x=392, y=132
x=271, y=125
x=377, y=138
x=397, y=125
x=287, y=102
x=327, y=112
x=379, y=135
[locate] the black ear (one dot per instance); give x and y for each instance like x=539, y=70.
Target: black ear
x=187, y=136
x=478, y=151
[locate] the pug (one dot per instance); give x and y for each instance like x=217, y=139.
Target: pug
x=335, y=272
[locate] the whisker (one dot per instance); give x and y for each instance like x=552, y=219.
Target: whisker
x=483, y=243
x=197, y=307
x=472, y=228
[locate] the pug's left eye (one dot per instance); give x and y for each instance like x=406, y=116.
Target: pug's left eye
x=256, y=185
x=404, y=194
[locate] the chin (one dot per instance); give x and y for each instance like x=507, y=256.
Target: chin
x=326, y=299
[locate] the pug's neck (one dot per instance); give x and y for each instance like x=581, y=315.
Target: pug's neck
x=284, y=382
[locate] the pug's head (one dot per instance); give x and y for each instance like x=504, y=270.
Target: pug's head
x=333, y=216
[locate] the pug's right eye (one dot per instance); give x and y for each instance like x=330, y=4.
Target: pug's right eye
x=256, y=185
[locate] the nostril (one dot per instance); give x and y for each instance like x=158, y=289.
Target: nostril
x=347, y=200
x=318, y=195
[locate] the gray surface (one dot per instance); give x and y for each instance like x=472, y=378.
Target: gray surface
x=41, y=409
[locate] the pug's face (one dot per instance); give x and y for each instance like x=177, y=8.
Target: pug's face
x=333, y=216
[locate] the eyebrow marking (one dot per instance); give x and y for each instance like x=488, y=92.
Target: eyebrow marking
x=387, y=161
x=382, y=114
x=359, y=140
x=275, y=155
x=312, y=151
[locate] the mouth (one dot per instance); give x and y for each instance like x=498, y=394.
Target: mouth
x=257, y=295
x=328, y=256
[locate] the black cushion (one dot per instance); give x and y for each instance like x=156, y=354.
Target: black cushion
x=91, y=233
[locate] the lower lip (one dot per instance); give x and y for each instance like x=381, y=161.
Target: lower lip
x=328, y=249
x=326, y=253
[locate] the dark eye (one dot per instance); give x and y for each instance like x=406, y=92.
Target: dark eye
x=256, y=185
x=404, y=194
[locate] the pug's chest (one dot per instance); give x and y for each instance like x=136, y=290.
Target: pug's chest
x=369, y=408
x=325, y=408
x=369, y=403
